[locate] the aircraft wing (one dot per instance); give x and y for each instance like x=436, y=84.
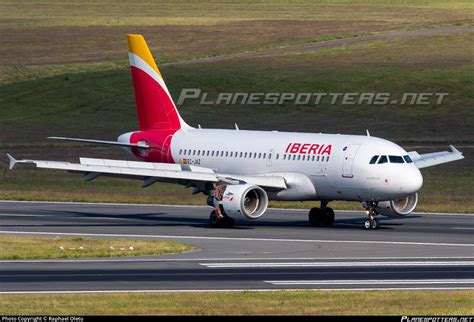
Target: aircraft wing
x=431, y=159
x=141, y=145
x=150, y=173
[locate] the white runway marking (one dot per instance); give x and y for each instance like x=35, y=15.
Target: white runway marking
x=23, y=215
x=370, y=242
x=336, y=264
x=373, y=282
x=67, y=216
x=463, y=228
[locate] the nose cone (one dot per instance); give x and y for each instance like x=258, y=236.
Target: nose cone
x=413, y=181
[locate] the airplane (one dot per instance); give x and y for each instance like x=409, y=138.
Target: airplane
x=240, y=171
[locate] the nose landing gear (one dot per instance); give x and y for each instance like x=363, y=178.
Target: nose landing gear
x=323, y=216
x=371, y=222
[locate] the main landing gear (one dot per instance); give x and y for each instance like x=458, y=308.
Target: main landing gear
x=219, y=222
x=323, y=216
x=371, y=222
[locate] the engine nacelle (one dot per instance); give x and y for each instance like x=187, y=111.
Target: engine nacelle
x=399, y=207
x=243, y=201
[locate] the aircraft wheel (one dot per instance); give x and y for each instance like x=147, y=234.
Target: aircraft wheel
x=219, y=223
x=214, y=220
x=375, y=224
x=368, y=224
x=328, y=216
x=315, y=217
x=371, y=224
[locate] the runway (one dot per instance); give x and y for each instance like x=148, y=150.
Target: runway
x=280, y=251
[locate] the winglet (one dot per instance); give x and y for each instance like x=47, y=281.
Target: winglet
x=13, y=161
x=454, y=150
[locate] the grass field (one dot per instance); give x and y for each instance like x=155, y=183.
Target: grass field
x=20, y=247
x=63, y=71
x=245, y=303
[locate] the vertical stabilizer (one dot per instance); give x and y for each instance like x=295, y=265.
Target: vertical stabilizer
x=155, y=107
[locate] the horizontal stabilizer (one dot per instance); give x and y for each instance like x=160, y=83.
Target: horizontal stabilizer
x=141, y=145
x=12, y=161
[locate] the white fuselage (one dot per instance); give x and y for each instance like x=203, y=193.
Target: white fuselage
x=315, y=166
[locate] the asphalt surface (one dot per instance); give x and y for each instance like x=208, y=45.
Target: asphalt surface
x=280, y=251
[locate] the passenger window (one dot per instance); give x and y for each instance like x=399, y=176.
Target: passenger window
x=240, y=154
x=395, y=159
x=264, y=155
x=255, y=155
x=383, y=159
x=313, y=157
x=317, y=158
x=374, y=159
x=194, y=152
x=259, y=155
x=269, y=155
x=294, y=157
x=207, y=154
x=327, y=158
x=222, y=153
x=407, y=159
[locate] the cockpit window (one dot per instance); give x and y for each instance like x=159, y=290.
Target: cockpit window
x=374, y=159
x=383, y=159
x=408, y=159
x=395, y=159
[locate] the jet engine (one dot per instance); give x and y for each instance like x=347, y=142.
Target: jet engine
x=242, y=201
x=399, y=207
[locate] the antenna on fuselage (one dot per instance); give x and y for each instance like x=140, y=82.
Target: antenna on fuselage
x=199, y=126
x=368, y=134
x=236, y=127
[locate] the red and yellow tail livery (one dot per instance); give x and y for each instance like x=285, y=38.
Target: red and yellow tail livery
x=155, y=107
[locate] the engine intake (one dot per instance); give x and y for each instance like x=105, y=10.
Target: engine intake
x=243, y=201
x=399, y=207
